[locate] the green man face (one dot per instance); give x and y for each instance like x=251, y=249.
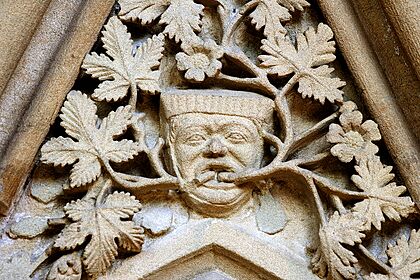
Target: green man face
x=212, y=132
x=211, y=144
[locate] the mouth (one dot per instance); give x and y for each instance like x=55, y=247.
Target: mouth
x=212, y=171
x=209, y=176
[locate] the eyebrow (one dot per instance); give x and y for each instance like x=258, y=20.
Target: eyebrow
x=210, y=128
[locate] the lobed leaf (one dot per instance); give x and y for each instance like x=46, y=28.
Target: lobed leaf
x=101, y=221
x=71, y=236
x=85, y=171
x=76, y=210
x=113, y=90
x=117, y=41
x=294, y=4
x=182, y=20
x=319, y=84
x=331, y=257
x=314, y=48
x=100, y=66
x=125, y=72
x=115, y=123
x=122, y=204
x=101, y=250
x=149, y=54
x=78, y=116
x=404, y=259
x=62, y=151
x=270, y=15
x=144, y=11
x=95, y=145
x=374, y=179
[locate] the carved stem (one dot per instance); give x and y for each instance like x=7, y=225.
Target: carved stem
x=318, y=202
x=329, y=187
x=290, y=84
x=311, y=134
x=105, y=185
x=139, y=185
x=133, y=98
x=154, y=157
x=138, y=129
x=229, y=27
x=237, y=55
x=313, y=161
x=383, y=268
x=338, y=204
x=246, y=83
x=285, y=116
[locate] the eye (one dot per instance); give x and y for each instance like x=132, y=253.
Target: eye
x=236, y=137
x=195, y=139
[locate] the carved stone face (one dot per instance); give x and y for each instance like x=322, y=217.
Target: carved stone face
x=208, y=144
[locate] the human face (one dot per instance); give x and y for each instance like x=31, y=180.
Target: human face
x=208, y=144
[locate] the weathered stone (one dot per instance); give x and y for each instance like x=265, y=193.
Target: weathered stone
x=227, y=121
x=46, y=193
x=29, y=227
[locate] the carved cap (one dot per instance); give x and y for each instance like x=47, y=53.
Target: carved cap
x=225, y=102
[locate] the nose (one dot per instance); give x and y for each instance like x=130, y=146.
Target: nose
x=215, y=148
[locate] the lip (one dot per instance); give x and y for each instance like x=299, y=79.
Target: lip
x=217, y=185
x=210, y=179
x=204, y=173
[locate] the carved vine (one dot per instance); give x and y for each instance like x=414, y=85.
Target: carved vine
x=98, y=224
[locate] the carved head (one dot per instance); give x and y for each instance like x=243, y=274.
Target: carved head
x=209, y=132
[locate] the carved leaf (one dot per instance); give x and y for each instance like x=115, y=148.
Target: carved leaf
x=86, y=170
x=181, y=17
x=103, y=223
x=294, y=4
x=143, y=10
x=63, y=151
x=404, y=259
x=374, y=178
x=183, y=20
x=320, y=85
x=72, y=236
x=271, y=13
x=124, y=71
x=115, y=123
x=331, y=257
x=314, y=48
x=94, y=144
x=78, y=116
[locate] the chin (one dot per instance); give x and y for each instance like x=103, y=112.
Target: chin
x=217, y=199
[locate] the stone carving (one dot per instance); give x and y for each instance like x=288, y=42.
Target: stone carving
x=212, y=134
x=404, y=259
x=225, y=140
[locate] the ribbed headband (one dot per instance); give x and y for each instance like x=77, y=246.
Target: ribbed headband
x=225, y=102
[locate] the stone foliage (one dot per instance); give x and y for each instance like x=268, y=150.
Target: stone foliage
x=97, y=226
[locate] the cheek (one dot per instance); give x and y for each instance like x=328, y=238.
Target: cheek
x=249, y=154
x=186, y=153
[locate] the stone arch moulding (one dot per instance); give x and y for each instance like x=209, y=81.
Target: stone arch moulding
x=36, y=102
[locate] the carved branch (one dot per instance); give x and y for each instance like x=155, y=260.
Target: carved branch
x=311, y=134
x=155, y=160
x=285, y=116
x=133, y=97
x=140, y=185
x=383, y=268
x=317, y=198
x=242, y=60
